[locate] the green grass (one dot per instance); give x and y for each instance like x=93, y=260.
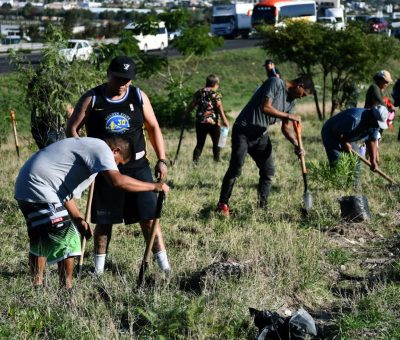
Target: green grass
x=291, y=257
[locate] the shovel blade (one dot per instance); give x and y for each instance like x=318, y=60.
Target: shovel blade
x=307, y=198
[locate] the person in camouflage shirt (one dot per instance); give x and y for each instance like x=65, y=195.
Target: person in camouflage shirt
x=209, y=111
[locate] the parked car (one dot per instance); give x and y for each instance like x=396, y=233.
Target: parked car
x=77, y=50
x=150, y=41
x=378, y=24
x=174, y=34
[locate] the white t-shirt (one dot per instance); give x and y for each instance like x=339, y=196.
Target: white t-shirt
x=52, y=174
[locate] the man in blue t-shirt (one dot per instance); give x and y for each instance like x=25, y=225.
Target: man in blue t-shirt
x=354, y=125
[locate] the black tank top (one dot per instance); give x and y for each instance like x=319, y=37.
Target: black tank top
x=123, y=116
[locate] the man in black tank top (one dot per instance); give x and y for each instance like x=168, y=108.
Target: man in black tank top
x=116, y=107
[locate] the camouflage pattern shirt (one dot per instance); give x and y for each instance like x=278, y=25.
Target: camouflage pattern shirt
x=207, y=109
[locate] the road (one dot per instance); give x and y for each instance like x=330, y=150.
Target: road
x=34, y=58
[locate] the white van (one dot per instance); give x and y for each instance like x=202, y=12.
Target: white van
x=147, y=42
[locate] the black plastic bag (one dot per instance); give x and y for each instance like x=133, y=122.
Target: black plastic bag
x=355, y=208
x=272, y=326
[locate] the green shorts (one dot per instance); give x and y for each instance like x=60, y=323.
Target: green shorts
x=51, y=231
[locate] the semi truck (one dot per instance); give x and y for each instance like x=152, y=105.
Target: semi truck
x=232, y=20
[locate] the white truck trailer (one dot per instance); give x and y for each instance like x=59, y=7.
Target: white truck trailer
x=232, y=20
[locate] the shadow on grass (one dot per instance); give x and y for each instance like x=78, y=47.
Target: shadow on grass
x=12, y=274
x=191, y=186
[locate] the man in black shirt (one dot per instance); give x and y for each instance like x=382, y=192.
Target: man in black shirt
x=116, y=107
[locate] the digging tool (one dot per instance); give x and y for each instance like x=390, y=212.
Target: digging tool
x=149, y=244
x=307, y=198
x=12, y=114
x=179, y=144
x=379, y=171
x=87, y=217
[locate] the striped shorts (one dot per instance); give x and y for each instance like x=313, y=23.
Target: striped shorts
x=51, y=231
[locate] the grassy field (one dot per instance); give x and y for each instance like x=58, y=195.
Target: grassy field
x=345, y=274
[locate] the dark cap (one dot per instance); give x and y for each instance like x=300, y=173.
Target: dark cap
x=122, y=67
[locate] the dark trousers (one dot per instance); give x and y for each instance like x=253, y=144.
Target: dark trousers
x=202, y=130
x=260, y=149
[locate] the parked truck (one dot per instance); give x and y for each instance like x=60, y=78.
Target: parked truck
x=338, y=14
x=232, y=20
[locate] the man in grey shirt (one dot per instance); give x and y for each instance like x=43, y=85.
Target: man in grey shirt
x=275, y=98
x=45, y=188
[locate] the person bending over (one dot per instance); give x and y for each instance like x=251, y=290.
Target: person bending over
x=45, y=190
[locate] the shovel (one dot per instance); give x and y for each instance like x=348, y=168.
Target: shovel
x=87, y=217
x=149, y=244
x=307, y=198
x=379, y=171
x=179, y=144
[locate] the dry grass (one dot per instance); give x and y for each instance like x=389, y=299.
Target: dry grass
x=286, y=253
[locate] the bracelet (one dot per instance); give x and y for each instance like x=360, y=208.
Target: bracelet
x=163, y=161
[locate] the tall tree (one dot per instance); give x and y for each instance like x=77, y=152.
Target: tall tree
x=298, y=42
x=341, y=56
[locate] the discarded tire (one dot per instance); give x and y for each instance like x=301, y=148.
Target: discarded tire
x=354, y=208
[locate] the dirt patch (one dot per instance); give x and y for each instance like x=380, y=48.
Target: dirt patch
x=349, y=235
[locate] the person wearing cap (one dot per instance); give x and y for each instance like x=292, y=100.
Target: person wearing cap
x=117, y=107
x=375, y=93
x=274, y=99
x=376, y=96
x=340, y=132
x=272, y=71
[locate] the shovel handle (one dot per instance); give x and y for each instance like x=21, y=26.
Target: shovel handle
x=297, y=129
x=149, y=244
x=179, y=143
x=379, y=171
x=87, y=217
x=14, y=125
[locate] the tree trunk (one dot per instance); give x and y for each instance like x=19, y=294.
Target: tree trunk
x=320, y=117
x=324, y=96
x=315, y=96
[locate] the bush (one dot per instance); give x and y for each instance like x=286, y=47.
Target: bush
x=340, y=176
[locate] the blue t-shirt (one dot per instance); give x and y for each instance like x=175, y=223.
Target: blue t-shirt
x=352, y=123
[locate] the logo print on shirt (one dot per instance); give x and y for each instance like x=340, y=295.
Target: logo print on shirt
x=117, y=123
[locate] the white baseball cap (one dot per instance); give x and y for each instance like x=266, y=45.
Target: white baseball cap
x=385, y=75
x=381, y=115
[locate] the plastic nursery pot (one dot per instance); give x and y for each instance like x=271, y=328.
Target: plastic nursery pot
x=355, y=208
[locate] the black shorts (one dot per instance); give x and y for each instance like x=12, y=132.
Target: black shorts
x=111, y=206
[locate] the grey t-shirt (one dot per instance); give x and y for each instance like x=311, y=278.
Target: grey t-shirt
x=52, y=174
x=272, y=88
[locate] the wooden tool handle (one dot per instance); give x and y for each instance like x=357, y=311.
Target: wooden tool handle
x=14, y=125
x=379, y=171
x=156, y=222
x=87, y=217
x=297, y=129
